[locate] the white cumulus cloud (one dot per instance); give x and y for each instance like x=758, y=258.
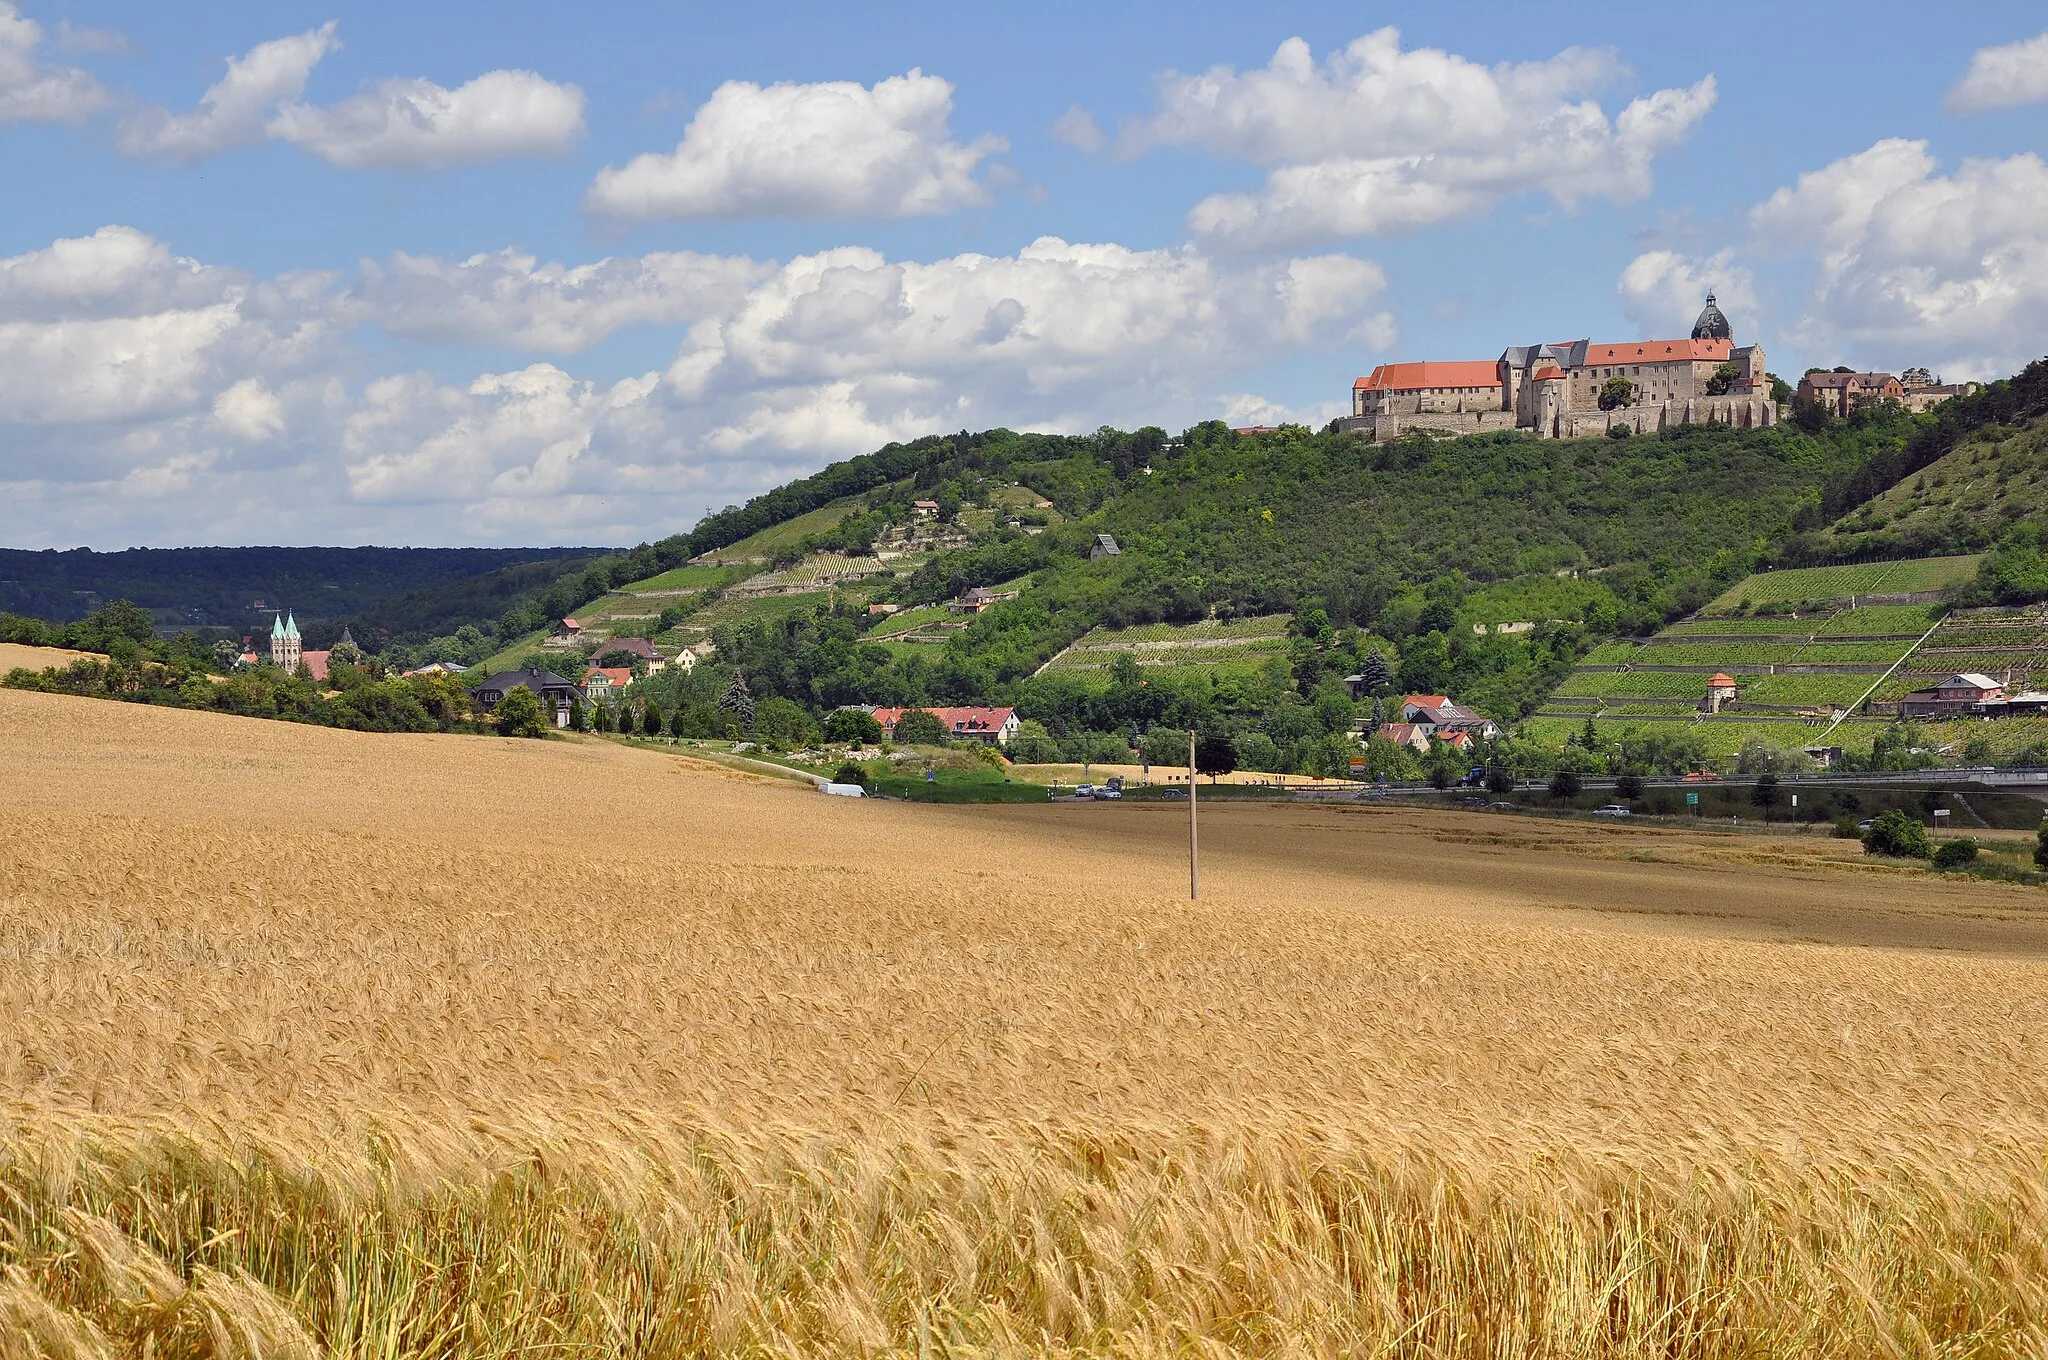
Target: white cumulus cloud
x=509, y=298
x=1663, y=290
x=1378, y=139
x=1918, y=267
x=31, y=92
x=237, y=109
x=411, y=124
x=398, y=124
x=832, y=149
x=2002, y=78
x=141, y=390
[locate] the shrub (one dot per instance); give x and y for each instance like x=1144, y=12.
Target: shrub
x=853, y=727
x=1956, y=853
x=1897, y=834
x=519, y=714
x=850, y=773
x=2041, y=847
x=1847, y=830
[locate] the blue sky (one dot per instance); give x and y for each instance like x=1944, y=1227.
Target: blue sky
x=515, y=273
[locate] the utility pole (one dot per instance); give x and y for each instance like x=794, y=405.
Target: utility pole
x=1194, y=845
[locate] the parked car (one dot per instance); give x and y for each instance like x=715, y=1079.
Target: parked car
x=1084, y=790
x=1107, y=792
x=1505, y=807
x=1613, y=810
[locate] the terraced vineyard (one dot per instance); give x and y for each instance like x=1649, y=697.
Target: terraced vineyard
x=1911, y=577
x=1795, y=671
x=1235, y=644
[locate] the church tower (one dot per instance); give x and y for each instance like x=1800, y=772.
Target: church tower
x=1712, y=325
x=284, y=642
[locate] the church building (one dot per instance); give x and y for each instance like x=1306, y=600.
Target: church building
x=284, y=643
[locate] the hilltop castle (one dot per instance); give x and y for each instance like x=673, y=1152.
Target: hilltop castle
x=1555, y=390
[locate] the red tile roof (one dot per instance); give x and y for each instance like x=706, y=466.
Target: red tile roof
x=1433, y=373
x=1426, y=700
x=316, y=664
x=1549, y=373
x=1719, y=678
x=961, y=721
x=1659, y=351
x=620, y=676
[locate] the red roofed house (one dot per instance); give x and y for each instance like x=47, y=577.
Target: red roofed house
x=994, y=726
x=1414, y=736
x=568, y=630
x=599, y=681
x=1720, y=690
x=315, y=664
x=1410, y=389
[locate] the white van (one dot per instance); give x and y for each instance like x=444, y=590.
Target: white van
x=843, y=790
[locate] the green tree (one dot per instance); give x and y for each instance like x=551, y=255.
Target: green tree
x=1215, y=755
x=2041, y=847
x=1616, y=393
x=1375, y=675
x=1499, y=778
x=737, y=703
x=1723, y=380
x=519, y=714
x=781, y=722
x=575, y=714
x=1033, y=745
x=1167, y=746
x=1897, y=834
x=652, y=720
x=1764, y=793
x=1629, y=786
x=1564, y=784
x=919, y=727
x=855, y=728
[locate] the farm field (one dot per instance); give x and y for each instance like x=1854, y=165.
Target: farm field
x=15, y=656
x=1841, y=582
x=1724, y=654
x=1774, y=627
x=1839, y=690
x=680, y=1074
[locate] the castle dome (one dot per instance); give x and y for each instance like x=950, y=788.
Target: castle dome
x=1712, y=325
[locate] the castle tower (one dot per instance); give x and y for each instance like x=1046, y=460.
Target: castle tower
x=284, y=642
x=1712, y=325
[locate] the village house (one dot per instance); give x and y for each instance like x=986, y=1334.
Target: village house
x=553, y=691
x=925, y=509
x=1958, y=696
x=1414, y=736
x=566, y=630
x=880, y=611
x=1438, y=716
x=438, y=668
x=639, y=648
x=600, y=682
x=1104, y=546
x=993, y=726
x=977, y=599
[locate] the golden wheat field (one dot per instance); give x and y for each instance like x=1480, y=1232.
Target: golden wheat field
x=315, y=1043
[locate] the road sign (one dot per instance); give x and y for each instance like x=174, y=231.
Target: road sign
x=1692, y=800
x=1941, y=812
x=1357, y=766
